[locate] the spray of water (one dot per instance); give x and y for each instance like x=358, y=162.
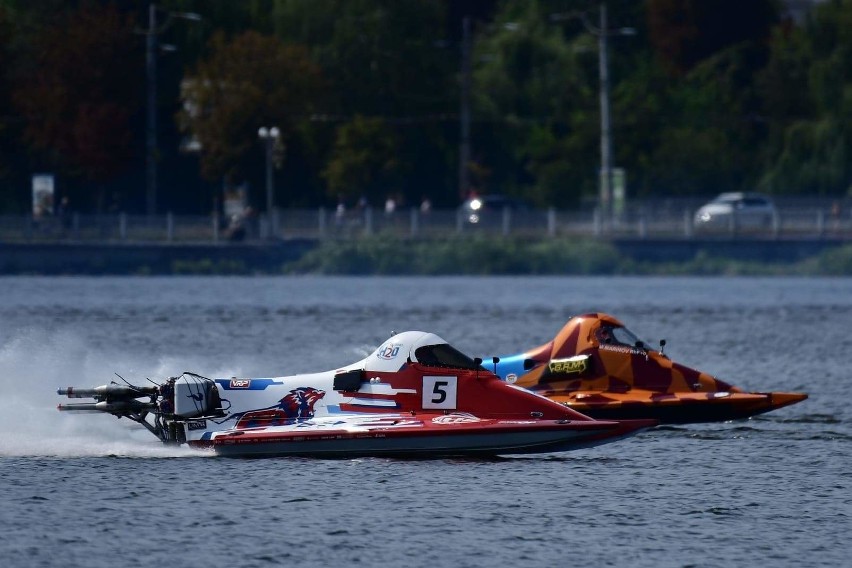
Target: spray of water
x=34, y=363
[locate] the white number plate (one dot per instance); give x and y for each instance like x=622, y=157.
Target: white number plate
x=440, y=392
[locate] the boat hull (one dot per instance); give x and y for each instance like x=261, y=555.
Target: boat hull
x=483, y=438
x=682, y=408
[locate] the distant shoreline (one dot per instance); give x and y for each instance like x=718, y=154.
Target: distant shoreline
x=481, y=256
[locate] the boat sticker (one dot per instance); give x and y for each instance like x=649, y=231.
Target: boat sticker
x=627, y=350
x=388, y=351
x=197, y=425
x=381, y=402
x=440, y=392
x=570, y=366
x=384, y=388
x=246, y=384
x=511, y=378
x=456, y=418
x=298, y=404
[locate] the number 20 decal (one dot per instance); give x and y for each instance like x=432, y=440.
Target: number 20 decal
x=440, y=392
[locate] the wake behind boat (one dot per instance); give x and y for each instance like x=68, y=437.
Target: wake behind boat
x=413, y=396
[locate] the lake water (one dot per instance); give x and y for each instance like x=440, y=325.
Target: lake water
x=92, y=490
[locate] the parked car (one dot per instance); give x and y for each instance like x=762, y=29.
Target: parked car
x=477, y=209
x=736, y=210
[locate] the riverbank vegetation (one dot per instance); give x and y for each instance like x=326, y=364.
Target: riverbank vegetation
x=552, y=257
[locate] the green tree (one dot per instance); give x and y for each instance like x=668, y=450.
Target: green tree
x=6, y=119
x=249, y=81
x=807, y=86
x=700, y=91
x=534, y=107
x=537, y=94
x=78, y=101
x=364, y=161
x=389, y=63
x=685, y=32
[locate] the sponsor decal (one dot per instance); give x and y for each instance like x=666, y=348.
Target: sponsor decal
x=621, y=349
x=240, y=383
x=511, y=378
x=298, y=404
x=570, y=366
x=389, y=351
x=455, y=418
x=197, y=425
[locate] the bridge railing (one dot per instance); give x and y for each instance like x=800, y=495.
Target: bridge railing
x=287, y=224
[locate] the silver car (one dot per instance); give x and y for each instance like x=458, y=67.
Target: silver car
x=736, y=210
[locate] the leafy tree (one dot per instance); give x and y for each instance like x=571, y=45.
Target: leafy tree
x=537, y=86
x=685, y=32
x=382, y=57
x=6, y=59
x=78, y=101
x=390, y=61
x=807, y=86
x=363, y=162
x=249, y=81
x=707, y=109
x=709, y=142
x=534, y=101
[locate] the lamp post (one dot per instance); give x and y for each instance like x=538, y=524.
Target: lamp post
x=271, y=137
x=151, y=44
x=605, y=197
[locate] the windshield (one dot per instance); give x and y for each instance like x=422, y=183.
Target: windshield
x=444, y=355
x=618, y=336
x=625, y=336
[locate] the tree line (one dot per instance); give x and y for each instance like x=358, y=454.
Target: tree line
x=367, y=98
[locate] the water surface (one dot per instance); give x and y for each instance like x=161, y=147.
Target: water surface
x=95, y=491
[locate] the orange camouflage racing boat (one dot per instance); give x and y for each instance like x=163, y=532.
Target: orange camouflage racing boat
x=596, y=366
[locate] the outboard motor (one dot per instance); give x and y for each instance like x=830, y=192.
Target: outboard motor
x=162, y=409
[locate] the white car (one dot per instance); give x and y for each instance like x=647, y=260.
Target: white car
x=736, y=210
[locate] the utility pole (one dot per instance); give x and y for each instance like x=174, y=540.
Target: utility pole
x=151, y=52
x=606, y=196
x=464, y=113
x=151, y=115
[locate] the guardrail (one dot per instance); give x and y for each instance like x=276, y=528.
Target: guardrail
x=320, y=224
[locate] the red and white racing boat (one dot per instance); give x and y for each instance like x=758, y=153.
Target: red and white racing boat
x=413, y=396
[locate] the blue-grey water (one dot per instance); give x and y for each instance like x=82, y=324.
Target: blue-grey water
x=95, y=491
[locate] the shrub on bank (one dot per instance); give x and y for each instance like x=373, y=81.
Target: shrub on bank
x=503, y=256
x=834, y=262
x=459, y=257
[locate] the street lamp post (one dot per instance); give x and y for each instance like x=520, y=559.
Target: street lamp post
x=270, y=137
x=151, y=45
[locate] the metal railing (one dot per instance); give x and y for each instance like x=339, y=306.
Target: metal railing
x=640, y=222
